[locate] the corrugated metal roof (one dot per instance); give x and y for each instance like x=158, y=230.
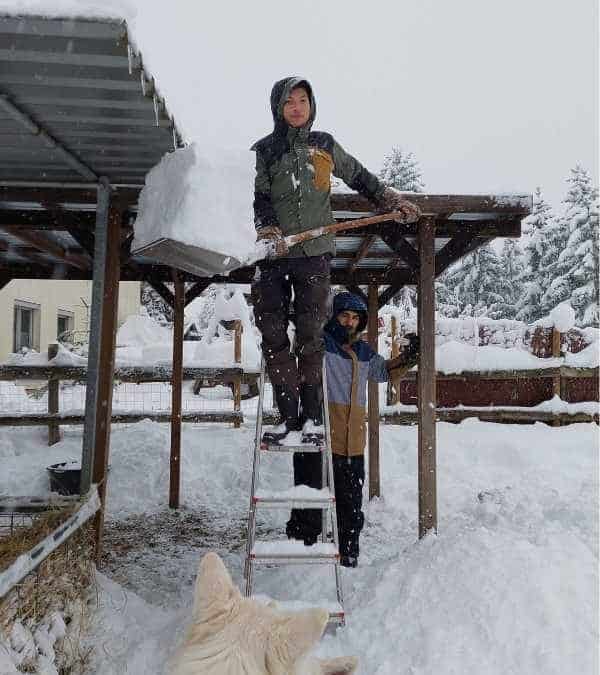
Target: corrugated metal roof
x=82, y=82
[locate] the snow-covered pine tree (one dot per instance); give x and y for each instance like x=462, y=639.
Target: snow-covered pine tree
x=156, y=307
x=479, y=284
x=446, y=302
x=401, y=171
x=511, y=260
x=539, y=251
x=406, y=302
x=575, y=271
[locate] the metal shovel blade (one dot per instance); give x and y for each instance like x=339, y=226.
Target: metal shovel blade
x=193, y=259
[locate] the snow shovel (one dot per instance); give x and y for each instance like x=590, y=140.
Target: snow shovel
x=203, y=262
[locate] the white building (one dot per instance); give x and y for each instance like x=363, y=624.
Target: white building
x=34, y=313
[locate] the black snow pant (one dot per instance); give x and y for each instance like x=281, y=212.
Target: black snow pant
x=309, y=279
x=349, y=478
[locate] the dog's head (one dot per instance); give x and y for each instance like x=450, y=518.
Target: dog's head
x=232, y=635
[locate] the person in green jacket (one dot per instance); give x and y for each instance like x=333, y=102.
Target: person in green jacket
x=294, y=166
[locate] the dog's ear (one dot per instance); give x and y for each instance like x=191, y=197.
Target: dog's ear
x=293, y=636
x=215, y=591
x=343, y=665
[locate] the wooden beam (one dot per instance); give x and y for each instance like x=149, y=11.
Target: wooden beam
x=197, y=289
x=456, y=248
x=101, y=355
x=389, y=293
x=402, y=248
x=362, y=252
x=85, y=238
x=496, y=415
x=54, y=219
x=164, y=417
x=444, y=204
x=373, y=334
x=163, y=291
x=426, y=384
x=176, y=394
x=53, y=399
x=55, y=198
x=44, y=243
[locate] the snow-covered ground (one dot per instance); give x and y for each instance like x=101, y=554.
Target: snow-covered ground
x=509, y=584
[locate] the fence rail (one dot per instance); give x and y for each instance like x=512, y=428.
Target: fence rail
x=28, y=562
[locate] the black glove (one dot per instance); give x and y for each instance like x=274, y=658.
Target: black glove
x=392, y=200
x=413, y=348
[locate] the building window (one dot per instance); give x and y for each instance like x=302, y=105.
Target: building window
x=26, y=326
x=64, y=325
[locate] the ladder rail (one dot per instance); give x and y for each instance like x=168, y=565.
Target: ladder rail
x=329, y=462
x=255, y=469
x=328, y=511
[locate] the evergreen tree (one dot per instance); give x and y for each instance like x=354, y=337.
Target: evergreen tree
x=576, y=268
x=537, y=252
x=479, y=284
x=156, y=307
x=446, y=302
x=511, y=260
x=406, y=302
x=401, y=171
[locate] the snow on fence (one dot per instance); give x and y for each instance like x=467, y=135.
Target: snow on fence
x=141, y=392
x=558, y=384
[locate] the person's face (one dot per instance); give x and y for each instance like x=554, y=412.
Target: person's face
x=349, y=320
x=296, y=109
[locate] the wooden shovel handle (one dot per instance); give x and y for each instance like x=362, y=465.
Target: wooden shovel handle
x=293, y=239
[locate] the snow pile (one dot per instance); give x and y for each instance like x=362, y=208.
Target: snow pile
x=563, y=317
x=229, y=306
x=508, y=585
x=200, y=199
x=63, y=358
x=457, y=357
x=140, y=329
x=88, y=9
x=32, y=648
x=586, y=358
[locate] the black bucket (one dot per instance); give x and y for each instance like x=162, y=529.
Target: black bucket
x=65, y=477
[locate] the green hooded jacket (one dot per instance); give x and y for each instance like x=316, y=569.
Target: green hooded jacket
x=293, y=175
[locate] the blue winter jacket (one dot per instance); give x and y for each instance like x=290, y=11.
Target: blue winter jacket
x=348, y=368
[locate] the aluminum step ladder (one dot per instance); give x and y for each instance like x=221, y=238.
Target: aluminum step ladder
x=294, y=552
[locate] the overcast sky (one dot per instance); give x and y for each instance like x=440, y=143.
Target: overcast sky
x=490, y=96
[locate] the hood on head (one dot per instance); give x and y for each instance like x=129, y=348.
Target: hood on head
x=279, y=94
x=353, y=303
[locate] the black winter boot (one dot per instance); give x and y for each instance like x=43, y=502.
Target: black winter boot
x=311, y=399
x=287, y=403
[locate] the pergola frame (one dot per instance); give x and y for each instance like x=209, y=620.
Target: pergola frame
x=54, y=226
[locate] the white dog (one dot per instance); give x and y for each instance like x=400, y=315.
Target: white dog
x=233, y=635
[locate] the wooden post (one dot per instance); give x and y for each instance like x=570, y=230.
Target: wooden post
x=373, y=333
x=394, y=381
x=426, y=385
x=101, y=354
x=53, y=397
x=237, y=357
x=176, y=385
x=556, y=380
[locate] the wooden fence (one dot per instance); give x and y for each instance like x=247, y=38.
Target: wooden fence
x=235, y=377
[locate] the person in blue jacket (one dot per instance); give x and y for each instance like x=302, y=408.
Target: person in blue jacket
x=350, y=363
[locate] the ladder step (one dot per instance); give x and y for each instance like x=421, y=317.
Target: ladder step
x=336, y=611
x=306, y=447
x=293, y=552
x=300, y=497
